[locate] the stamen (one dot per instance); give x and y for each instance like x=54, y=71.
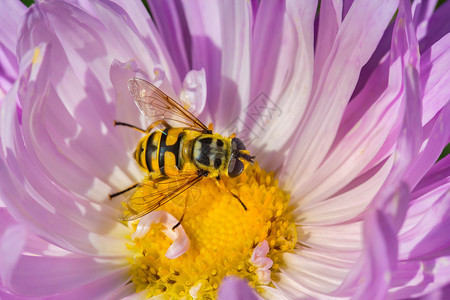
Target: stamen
x=224, y=239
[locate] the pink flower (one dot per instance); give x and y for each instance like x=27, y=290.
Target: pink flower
x=348, y=108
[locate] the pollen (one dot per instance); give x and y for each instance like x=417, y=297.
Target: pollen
x=224, y=238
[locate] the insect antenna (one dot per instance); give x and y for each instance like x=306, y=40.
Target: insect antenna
x=246, y=156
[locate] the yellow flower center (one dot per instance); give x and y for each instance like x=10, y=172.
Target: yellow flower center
x=222, y=235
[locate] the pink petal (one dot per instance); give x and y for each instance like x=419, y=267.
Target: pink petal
x=193, y=93
x=40, y=276
x=330, y=18
x=127, y=112
x=284, y=31
x=111, y=286
x=417, y=278
x=384, y=220
x=436, y=137
x=27, y=194
x=339, y=239
x=340, y=74
x=319, y=267
x=34, y=245
x=435, y=77
x=424, y=233
x=371, y=275
x=349, y=203
x=262, y=262
x=58, y=227
x=427, y=226
x=12, y=243
x=203, y=20
x=437, y=175
x=67, y=113
x=365, y=135
x=235, y=19
x=435, y=27
x=8, y=70
x=379, y=57
x=314, y=273
x=224, y=26
x=10, y=16
x=140, y=40
x=172, y=26
x=236, y=289
x=422, y=11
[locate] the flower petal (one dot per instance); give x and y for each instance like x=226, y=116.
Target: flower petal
x=32, y=195
x=224, y=26
x=424, y=233
x=436, y=137
x=319, y=267
x=10, y=16
x=236, y=289
x=417, y=278
x=422, y=11
x=335, y=86
x=434, y=28
x=41, y=276
x=384, y=220
x=235, y=65
x=172, y=26
x=180, y=240
x=279, y=91
x=434, y=77
x=75, y=126
x=138, y=37
x=111, y=286
x=203, y=20
x=54, y=224
x=330, y=18
x=193, y=93
x=366, y=133
x=313, y=274
x=347, y=204
x=12, y=243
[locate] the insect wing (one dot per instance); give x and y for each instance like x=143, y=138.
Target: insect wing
x=152, y=195
x=156, y=105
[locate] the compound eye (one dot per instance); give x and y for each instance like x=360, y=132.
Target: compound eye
x=235, y=167
x=237, y=144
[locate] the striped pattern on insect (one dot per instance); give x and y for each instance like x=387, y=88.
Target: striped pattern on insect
x=177, y=148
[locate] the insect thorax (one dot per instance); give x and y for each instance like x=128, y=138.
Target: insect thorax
x=211, y=153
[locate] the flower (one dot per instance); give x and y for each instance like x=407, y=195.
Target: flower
x=350, y=115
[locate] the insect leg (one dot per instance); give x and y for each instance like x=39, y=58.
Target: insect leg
x=123, y=191
x=222, y=186
x=128, y=125
x=182, y=216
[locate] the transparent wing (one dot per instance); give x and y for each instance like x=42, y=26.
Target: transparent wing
x=156, y=105
x=151, y=195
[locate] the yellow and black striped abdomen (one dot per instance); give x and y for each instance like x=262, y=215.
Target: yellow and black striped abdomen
x=160, y=152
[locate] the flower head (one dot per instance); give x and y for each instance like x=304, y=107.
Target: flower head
x=345, y=108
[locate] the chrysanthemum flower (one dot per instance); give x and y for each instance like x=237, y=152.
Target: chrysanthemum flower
x=345, y=107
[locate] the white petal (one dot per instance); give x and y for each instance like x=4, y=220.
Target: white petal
x=180, y=240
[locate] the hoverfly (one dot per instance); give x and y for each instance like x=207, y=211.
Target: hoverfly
x=183, y=155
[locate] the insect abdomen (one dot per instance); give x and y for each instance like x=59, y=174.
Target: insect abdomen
x=169, y=150
x=145, y=151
